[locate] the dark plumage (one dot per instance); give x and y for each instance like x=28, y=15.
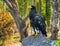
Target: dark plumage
x=36, y=21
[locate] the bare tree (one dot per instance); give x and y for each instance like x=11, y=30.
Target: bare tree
x=54, y=31
x=20, y=23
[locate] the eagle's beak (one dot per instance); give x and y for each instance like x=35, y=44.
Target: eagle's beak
x=29, y=7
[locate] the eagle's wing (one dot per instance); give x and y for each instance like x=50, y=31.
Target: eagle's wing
x=39, y=20
x=40, y=24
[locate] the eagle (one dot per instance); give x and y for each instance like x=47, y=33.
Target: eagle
x=36, y=21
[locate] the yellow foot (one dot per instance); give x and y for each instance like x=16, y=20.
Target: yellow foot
x=36, y=34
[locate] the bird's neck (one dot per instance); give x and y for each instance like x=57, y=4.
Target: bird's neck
x=33, y=11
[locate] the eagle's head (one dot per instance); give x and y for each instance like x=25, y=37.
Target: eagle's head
x=31, y=7
x=32, y=11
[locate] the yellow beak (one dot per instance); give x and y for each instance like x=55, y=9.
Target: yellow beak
x=29, y=7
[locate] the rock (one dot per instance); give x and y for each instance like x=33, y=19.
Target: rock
x=37, y=41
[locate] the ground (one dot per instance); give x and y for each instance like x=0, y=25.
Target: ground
x=13, y=44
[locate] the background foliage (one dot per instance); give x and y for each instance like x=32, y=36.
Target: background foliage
x=7, y=26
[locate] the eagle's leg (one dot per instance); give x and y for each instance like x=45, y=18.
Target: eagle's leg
x=35, y=32
x=33, y=29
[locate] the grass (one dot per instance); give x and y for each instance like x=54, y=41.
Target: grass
x=57, y=42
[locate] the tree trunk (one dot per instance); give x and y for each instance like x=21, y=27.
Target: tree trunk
x=33, y=2
x=20, y=23
x=59, y=12
x=54, y=31
x=40, y=6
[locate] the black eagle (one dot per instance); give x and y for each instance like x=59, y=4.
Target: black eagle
x=37, y=22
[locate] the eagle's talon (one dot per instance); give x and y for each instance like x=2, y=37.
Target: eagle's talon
x=36, y=34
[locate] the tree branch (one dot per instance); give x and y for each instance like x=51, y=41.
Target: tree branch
x=13, y=9
x=20, y=23
x=8, y=3
x=25, y=18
